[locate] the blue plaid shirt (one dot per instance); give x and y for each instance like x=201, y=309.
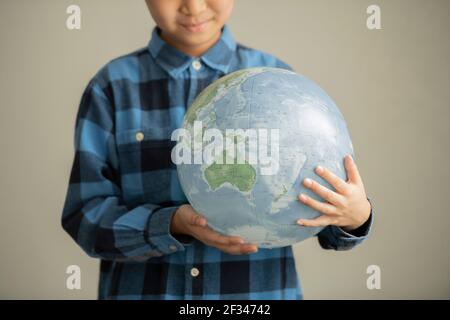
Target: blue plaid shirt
x=124, y=189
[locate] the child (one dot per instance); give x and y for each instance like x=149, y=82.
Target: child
x=124, y=203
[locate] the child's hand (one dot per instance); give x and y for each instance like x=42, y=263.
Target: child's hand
x=187, y=221
x=346, y=207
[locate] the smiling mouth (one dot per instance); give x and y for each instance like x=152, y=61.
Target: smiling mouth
x=195, y=27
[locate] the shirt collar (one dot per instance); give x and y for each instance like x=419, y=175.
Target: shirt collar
x=174, y=61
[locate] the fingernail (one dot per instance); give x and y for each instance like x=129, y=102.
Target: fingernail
x=308, y=182
x=319, y=169
x=302, y=197
x=300, y=222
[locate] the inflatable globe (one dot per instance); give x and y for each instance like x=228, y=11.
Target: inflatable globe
x=248, y=141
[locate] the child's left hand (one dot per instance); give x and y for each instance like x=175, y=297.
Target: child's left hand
x=347, y=207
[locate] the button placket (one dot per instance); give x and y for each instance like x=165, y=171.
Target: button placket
x=140, y=136
x=196, y=64
x=195, y=272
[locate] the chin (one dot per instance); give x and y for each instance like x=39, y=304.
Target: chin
x=198, y=39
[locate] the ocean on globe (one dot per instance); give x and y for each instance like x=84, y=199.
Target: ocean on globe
x=248, y=141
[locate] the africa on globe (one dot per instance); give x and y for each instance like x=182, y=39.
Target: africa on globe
x=248, y=141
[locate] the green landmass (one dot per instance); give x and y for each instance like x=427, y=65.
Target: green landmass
x=242, y=176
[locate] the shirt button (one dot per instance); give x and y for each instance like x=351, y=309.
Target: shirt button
x=139, y=136
x=173, y=247
x=195, y=272
x=196, y=65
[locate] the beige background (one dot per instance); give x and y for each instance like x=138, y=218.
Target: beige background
x=392, y=86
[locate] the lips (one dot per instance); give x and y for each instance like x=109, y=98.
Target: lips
x=195, y=26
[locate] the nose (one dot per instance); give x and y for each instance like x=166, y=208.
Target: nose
x=193, y=7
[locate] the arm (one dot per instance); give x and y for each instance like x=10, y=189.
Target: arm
x=94, y=213
x=336, y=238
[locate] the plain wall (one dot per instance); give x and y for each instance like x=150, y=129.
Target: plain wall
x=392, y=85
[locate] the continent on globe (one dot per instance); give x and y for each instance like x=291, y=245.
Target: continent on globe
x=241, y=125
x=242, y=176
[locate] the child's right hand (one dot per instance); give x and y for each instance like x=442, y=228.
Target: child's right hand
x=187, y=221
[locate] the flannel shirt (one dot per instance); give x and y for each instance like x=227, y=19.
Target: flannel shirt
x=124, y=189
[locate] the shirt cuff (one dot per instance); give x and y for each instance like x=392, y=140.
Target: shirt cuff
x=361, y=231
x=333, y=237
x=159, y=232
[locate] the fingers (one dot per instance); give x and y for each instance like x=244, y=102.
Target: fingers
x=195, y=219
x=214, y=238
x=321, y=221
x=325, y=193
x=352, y=170
x=322, y=207
x=229, y=244
x=338, y=184
x=239, y=249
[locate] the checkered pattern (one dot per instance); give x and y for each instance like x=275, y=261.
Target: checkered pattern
x=124, y=189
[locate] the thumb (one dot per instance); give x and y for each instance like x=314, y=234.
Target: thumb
x=196, y=220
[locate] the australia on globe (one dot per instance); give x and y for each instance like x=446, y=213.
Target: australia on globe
x=248, y=141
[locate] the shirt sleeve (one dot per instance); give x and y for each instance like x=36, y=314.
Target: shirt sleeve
x=94, y=212
x=333, y=237
x=283, y=65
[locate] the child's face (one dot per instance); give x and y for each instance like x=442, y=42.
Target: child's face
x=191, y=26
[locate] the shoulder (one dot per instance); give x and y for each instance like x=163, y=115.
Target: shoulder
x=251, y=57
x=128, y=68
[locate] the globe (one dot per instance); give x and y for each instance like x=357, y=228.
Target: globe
x=248, y=141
